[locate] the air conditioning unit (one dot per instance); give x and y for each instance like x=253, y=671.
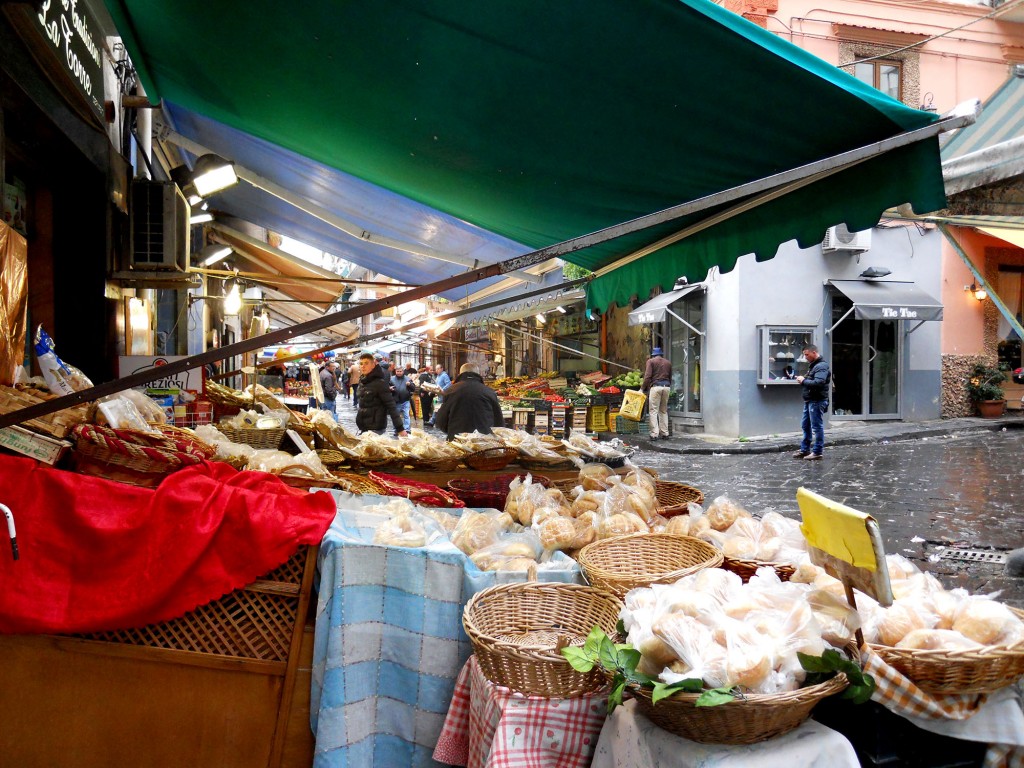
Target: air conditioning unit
x=159, y=226
x=839, y=238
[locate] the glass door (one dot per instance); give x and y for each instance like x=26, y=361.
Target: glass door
x=686, y=351
x=865, y=365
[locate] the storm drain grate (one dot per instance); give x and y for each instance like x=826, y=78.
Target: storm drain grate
x=974, y=555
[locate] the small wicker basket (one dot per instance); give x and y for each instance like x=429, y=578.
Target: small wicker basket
x=981, y=670
x=673, y=497
x=518, y=631
x=540, y=465
x=257, y=438
x=622, y=563
x=448, y=464
x=745, y=569
x=747, y=720
x=359, y=484
x=490, y=459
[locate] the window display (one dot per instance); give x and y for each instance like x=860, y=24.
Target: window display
x=781, y=349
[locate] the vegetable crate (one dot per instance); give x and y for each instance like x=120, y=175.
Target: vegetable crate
x=541, y=423
x=579, y=419
x=613, y=415
x=626, y=426
x=597, y=418
x=522, y=418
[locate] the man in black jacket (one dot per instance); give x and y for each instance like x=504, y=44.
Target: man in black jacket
x=815, y=391
x=469, y=405
x=376, y=403
x=329, y=384
x=401, y=390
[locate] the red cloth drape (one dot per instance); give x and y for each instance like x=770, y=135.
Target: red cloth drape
x=100, y=555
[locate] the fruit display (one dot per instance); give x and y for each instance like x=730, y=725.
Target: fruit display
x=630, y=380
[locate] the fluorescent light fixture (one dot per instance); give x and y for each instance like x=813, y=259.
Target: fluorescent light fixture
x=194, y=200
x=212, y=173
x=211, y=254
x=540, y=318
x=561, y=309
x=233, y=300
x=201, y=218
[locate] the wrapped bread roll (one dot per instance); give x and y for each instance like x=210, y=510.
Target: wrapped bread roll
x=594, y=477
x=984, y=621
x=936, y=640
x=557, y=533
x=588, y=501
x=723, y=512
x=899, y=621
x=620, y=525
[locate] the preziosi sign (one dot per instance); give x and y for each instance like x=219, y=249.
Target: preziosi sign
x=69, y=27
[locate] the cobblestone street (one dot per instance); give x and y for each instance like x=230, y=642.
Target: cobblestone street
x=926, y=493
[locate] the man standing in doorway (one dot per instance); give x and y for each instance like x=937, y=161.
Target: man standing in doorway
x=657, y=378
x=815, y=391
x=442, y=380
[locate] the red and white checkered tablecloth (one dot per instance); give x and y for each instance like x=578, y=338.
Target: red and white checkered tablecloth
x=491, y=727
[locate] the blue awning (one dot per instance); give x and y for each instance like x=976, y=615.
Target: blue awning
x=371, y=207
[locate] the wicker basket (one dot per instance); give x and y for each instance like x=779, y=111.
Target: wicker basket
x=747, y=720
x=301, y=476
x=449, y=464
x=133, y=457
x=981, y=670
x=673, y=497
x=541, y=465
x=425, y=494
x=390, y=463
x=360, y=484
x=517, y=631
x=257, y=438
x=488, y=493
x=622, y=563
x=745, y=569
x=490, y=459
x=331, y=458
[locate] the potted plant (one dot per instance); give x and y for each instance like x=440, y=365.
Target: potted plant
x=984, y=390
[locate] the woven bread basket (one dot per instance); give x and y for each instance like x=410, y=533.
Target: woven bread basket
x=534, y=464
x=518, y=630
x=749, y=719
x=981, y=670
x=673, y=497
x=360, y=484
x=133, y=457
x=745, y=569
x=622, y=563
x=257, y=438
x=490, y=493
x=490, y=459
x=447, y=464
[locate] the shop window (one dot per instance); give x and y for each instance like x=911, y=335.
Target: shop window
x=1010, y=287
x=685, y=350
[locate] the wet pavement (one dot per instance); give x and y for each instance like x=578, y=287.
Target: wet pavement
x=932, y=486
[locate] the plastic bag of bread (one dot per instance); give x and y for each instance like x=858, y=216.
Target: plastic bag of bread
x=936, y=640
x=408, y=529
x=623, y=498
x=445, y=519
x=693, y=643
x=837, y=620
x=723, y=512
x=987, y=622
x=587, y=501
x=511, y=552
x=899, y=620
x=594, y=477
x=616, y=518
x=528, y=502
x=477, y=530
x=678, y=525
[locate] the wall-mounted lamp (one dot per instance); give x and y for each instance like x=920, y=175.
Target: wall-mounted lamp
x=211, y=254
x=212, y=173
x=872, y=273
x=233, y=300
x=540, y=318
x=201, y=218
x=979, y=293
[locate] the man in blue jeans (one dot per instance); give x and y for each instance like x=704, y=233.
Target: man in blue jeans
x=815, y=391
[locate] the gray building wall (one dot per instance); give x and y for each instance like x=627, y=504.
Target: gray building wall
x=791, y=290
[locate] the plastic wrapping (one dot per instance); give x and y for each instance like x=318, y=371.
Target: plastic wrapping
x=61, y=378
x=510, y=552
x=13, y=300
x=477, y=530
x=121, y=413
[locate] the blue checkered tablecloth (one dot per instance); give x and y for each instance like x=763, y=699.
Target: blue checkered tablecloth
x=389, y=642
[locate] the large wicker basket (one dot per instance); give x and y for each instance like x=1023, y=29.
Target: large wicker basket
x=533, y=464
x=133, y=457
x=257, y=438
x=622, y=563
x=490, y=459
x=517, y=631
x=747, y=720
x=981, y=670
x=673, y=497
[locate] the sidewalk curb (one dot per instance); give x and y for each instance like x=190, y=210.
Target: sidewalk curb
x=875, y=433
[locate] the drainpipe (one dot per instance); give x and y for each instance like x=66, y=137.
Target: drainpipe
x=980, y=279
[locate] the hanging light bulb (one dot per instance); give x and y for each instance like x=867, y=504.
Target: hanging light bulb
x=233, y=300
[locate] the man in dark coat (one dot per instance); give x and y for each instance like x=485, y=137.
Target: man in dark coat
x=469, y=405
x=815, y=386
x=376, y=402
x=329, y=383
x=426, y=394
x=402, y=390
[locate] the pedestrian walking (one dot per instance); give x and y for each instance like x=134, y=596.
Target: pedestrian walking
x=657, y=378
x=344, y=382
x=425, y=385
x=353, y=382
x=815, y=387
x=401, y=388
x=469, y=405
x=442, y=381
x=376, y=403
x=329, y=384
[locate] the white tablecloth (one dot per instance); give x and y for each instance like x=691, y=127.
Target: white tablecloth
x=630, y=740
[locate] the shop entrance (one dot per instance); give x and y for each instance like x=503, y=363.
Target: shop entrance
x=865, y=364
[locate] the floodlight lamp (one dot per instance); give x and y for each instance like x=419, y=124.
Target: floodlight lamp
x=212, y=173
x=211, y=254
x=201, y=218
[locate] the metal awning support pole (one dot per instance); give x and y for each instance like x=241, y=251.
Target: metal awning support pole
x=837, y=322
x=677, y=317
x=564, y=248
x=919, y=324
x=1003, y=309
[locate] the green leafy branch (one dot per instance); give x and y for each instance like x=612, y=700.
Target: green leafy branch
x=824, y=667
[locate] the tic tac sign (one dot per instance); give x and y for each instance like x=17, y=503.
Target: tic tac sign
x=898, y=313
x=70, y=31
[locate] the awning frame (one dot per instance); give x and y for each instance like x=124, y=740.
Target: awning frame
x=677, y=295
x=851, y=310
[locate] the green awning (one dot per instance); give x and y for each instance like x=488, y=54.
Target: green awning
x=545, y=121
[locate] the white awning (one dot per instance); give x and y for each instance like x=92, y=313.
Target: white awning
x=889, y=300
x=654, y=310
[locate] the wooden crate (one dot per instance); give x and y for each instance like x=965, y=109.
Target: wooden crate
x=58, y=425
